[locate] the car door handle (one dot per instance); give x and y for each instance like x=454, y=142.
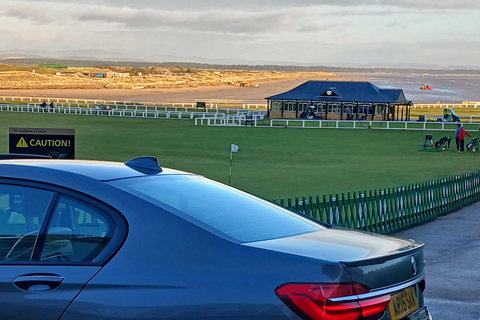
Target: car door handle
x=38, y=282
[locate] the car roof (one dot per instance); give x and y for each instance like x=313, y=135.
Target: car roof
x=98, y=170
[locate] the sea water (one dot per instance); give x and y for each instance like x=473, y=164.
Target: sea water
x=447, y=88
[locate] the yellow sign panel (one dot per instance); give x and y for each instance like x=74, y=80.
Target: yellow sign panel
x=22, y=143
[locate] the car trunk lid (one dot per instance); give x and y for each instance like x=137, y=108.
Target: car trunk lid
x=376, y=261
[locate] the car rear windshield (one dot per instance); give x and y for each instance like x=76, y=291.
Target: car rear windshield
x=233, y=213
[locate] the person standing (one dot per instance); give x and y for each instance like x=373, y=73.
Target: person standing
x=461, y=137
x=457, y=134
x=349, y=113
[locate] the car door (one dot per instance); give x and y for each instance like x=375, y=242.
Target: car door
x=40, y=292
x=51, y=245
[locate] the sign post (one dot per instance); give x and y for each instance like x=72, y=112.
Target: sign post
x=54, y=143
x=201, y=105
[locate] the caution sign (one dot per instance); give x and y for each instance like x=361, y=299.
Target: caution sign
x=21, y=143
x=55, y=143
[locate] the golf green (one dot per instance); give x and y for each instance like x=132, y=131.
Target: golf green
x=271, y=162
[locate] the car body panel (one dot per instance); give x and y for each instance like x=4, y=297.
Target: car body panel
x=29, y=292
x=177, y=284
x=167, y=266
x=380, y=263
x=347, y=245
x=389, y=272
x=199, y=287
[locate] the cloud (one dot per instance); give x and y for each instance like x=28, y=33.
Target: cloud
x=27, y=11
x=305, y=30
x=214, y=20
x=428, y=4
x=277, y=4
x=219, y=16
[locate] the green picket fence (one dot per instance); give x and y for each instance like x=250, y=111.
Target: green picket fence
x=393, y=209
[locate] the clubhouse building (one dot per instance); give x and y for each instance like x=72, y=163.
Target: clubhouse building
x=340, y=100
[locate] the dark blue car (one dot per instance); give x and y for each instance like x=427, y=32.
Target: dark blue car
x=106, y=240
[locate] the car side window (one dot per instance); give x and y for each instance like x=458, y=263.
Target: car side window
x=76, y=232
x=22, y=210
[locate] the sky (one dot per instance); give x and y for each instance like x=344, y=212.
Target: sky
x=381, y=33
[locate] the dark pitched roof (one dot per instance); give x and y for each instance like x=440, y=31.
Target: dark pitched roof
x=342, y=91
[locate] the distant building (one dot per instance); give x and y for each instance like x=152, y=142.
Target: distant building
x=336, y=100
x=65, y=73
x=112, y=74
x=95, y=74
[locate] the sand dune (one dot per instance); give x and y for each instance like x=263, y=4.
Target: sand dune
x=162, y=85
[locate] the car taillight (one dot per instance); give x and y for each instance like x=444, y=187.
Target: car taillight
x=324, y=301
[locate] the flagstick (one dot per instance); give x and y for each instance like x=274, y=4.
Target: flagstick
x=230, y=172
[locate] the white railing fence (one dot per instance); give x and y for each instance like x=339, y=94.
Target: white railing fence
x=338, y=124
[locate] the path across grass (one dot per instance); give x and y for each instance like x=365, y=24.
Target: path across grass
x=271, y=162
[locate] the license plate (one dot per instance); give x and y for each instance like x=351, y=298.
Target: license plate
x=402, y=304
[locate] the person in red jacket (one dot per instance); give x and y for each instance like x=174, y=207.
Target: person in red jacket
x=461, y=138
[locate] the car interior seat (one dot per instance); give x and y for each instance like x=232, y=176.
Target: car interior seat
x=57, y=245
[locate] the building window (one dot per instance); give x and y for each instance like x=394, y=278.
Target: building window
x=380, y=109
x=319, y=107
x=334, y=108
x=365, y=109
x=302, y=106
x=276, y=105
x=290, y=106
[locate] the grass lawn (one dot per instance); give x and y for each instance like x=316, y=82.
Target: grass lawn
x=271, y=162
x=432, y=112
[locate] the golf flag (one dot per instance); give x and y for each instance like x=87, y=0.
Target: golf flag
x=233, y=148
